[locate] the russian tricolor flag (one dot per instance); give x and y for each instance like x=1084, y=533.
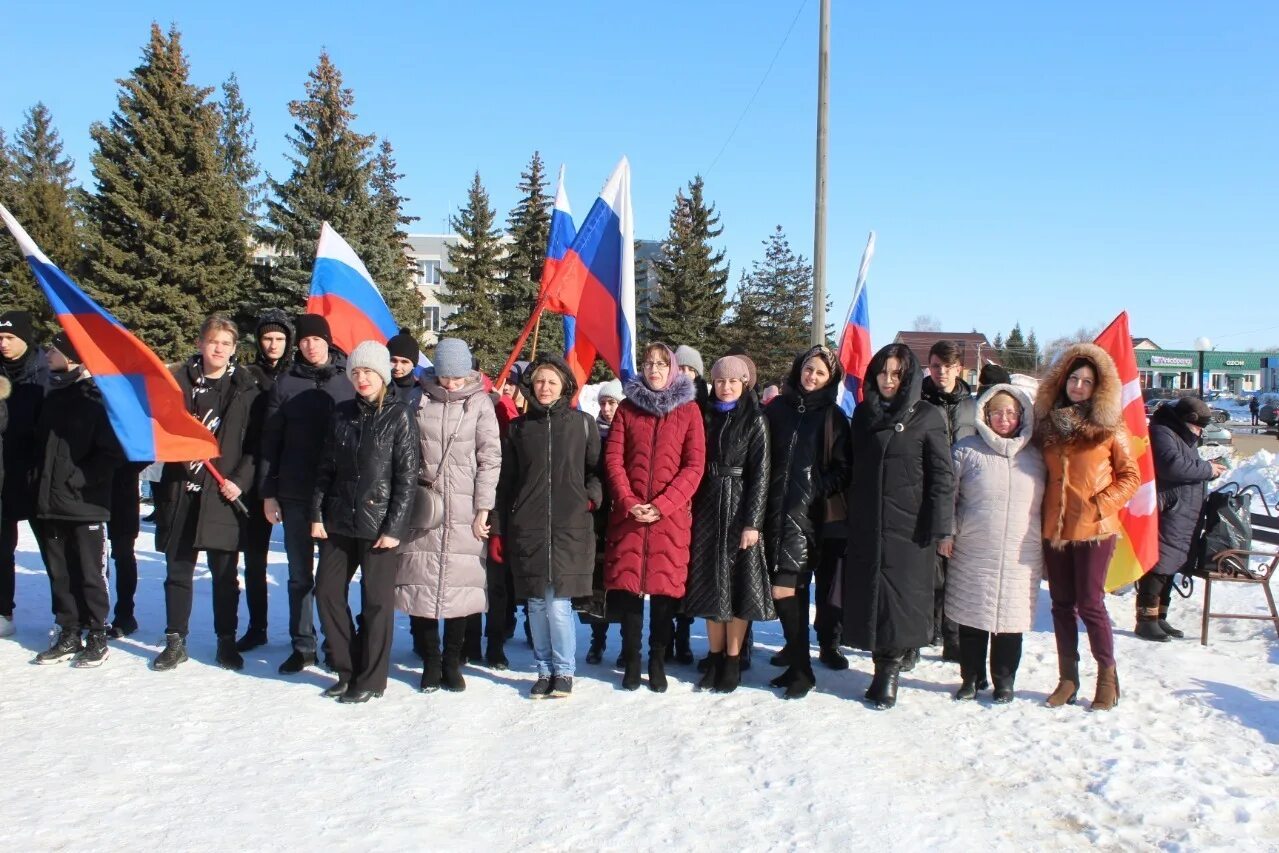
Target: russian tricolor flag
x=595, y=281
x=854, y=344
x=557, y=245
x=343, y=292
x=145, y=405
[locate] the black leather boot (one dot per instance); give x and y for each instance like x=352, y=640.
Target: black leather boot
x=451, y=661
x=632, y=628
x=714, y=664
x=427, y=643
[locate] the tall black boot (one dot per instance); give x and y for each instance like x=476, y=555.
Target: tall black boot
x=784, y=607
x=632, y=629
x=661, y=625
x=1165, y=599
x=802, y=660
x=472, y=646
x=1148, y=628
x=427, y=643
x=683, y=641
x=1005, y=657
x=972, y=662
x=748, y=642
x=451, y=664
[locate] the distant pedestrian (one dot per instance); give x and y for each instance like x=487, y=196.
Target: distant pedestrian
x=1254, y=408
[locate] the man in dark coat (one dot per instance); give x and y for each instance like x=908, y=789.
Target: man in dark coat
x=274, y=338
x=78, y=455
x=1180, y=478
x=405, y=353
x=900, y=507
x=1254, y=409
x=23, y=364
x=297, y=415
x=193, y=512
x=122, y=533
x=952, y=397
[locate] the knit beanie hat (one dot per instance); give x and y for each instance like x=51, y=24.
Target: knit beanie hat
x=686, y=356
x=372, y=356
x=1192, y=410
x=313, y=326
x=731, y=367
x=63, y=345
x=612, y=390
x=405, y=346
x=993, y=374
x=452, y=358
x=18, y=324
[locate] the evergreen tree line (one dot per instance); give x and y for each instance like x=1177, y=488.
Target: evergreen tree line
x=1018, y=353
x=167, y=232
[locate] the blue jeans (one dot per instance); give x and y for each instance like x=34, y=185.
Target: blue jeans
x=299, y=547
x=554, y=634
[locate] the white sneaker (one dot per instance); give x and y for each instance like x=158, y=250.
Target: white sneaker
x=6, y=627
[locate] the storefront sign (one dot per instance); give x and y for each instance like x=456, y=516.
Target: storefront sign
x=1234, y=362
x=1170, y=361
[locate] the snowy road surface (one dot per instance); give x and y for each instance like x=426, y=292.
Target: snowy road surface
x=202, y=759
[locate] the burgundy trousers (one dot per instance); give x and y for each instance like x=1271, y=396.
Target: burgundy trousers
x=1076, y=584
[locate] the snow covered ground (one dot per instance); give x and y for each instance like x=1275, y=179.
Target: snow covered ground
x=203, y=759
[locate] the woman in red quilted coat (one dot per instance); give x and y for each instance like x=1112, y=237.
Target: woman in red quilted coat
x=653, y=460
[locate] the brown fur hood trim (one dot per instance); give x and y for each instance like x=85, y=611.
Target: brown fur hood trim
x=1106, y=414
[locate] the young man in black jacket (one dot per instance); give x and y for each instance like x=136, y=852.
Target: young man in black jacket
x=274, y=337
x=297, y=413
x=78, y=457
x=193, y=512
x=23, y=364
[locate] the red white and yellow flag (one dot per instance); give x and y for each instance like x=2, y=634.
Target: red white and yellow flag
x=1138, y=547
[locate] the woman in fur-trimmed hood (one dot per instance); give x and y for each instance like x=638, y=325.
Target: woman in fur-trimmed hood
x=653, y=461
x=1092, y=474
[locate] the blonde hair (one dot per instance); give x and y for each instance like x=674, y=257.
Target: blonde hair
x=215, y=323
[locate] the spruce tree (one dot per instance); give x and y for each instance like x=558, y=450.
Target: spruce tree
x=529, y=227
x=474, y=284
x=40, y=193
x=386, y=260
x=167, y=238
x=236, y=147
x=692, y=277
x=1021, y=355
x=772, y=312
x=332, y=171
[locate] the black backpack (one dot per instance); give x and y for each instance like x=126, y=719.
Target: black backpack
x=1226, y=524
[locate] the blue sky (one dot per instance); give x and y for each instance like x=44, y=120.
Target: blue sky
x=1050, y=164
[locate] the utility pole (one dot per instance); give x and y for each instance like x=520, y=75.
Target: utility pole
x=819, y=212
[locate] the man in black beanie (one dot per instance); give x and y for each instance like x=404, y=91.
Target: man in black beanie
x=297, y=417
x=405, y=352
x=23, y=364
x=274, y=338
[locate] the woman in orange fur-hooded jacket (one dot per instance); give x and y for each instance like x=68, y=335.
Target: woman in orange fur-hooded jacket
x=1092, y=473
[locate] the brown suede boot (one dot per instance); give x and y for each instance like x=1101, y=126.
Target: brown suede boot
x=1068, y=686
x=1107, y=695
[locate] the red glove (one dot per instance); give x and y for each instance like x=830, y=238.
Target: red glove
x=495, y=549
x=590, y=506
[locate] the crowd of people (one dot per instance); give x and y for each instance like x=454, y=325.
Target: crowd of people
x=927, y=519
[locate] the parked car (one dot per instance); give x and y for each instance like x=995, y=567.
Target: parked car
x=1216, y=434
x=1269, y=414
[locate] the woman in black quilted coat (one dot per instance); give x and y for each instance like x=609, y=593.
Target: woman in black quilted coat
x=901, y=505
x=808, y=447
x=360, y=512
x=727, y=575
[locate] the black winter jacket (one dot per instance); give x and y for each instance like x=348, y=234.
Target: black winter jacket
x=79, y=452
x=733, y=496
x=809, y=466
x=368, y=470
x=409, y=393
x=550, y=480
x=219, y=525
x=1181, y=478
x=959, y=408
x=900, y=504
x=29, y=378
x=297, y=419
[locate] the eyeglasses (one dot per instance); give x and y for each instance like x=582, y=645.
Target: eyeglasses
x=653, y=365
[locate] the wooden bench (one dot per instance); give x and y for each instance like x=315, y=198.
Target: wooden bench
x=1234, y=566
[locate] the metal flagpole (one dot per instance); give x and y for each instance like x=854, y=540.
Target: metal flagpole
x=819, y=213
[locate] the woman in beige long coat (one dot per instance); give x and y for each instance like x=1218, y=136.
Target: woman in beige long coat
x=441, y=572
x=997, y=554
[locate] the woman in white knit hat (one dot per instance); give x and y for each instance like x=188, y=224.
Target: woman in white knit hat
x=360, y=513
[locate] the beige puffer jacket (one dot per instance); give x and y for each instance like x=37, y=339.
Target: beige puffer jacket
x=993, y=579
x=441, y=571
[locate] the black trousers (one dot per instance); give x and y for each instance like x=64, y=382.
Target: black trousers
x=1154, y=590
x=661, y=610
x=8, y=545
x=1005, y=654
x=257, y=545
x=122, y=533
x=180, y=576
x=829, y=616
x=75, y=559
x=947, y=629
x=361, y=656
